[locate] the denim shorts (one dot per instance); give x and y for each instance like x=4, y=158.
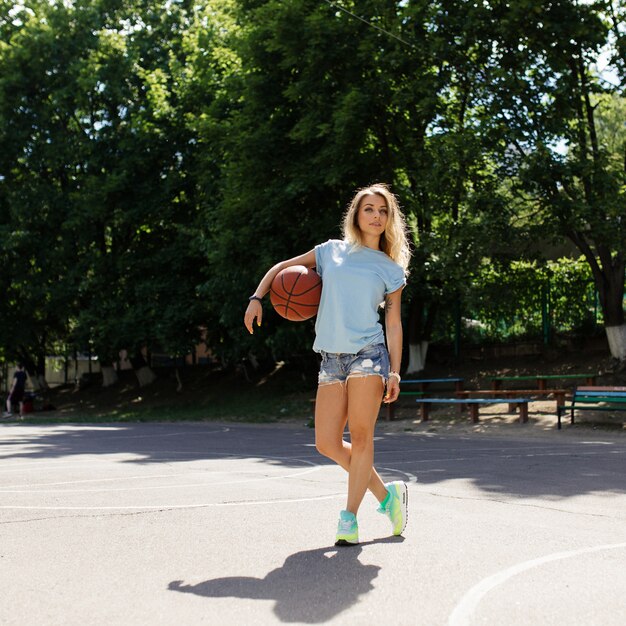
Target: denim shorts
x=337, y=367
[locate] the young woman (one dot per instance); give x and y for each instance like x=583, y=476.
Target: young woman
x=359, y=274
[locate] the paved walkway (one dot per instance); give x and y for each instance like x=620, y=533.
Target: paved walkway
x=209, y=523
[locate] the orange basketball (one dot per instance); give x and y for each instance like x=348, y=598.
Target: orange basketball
x=295, y=293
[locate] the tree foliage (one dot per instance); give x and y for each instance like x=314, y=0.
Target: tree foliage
x=156, y=159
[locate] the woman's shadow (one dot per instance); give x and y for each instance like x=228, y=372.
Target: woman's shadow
x=311, y=586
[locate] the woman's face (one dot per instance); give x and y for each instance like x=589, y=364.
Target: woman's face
x=372, y=215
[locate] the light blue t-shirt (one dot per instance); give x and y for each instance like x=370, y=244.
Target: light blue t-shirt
x=355, y=280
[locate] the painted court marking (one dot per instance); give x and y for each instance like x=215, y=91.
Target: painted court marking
x=503, y=452
x=35, y=487
x=462, y=614
x=162, y=507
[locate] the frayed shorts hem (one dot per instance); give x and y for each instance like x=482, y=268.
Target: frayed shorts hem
x=340, y=367
x=325, y=383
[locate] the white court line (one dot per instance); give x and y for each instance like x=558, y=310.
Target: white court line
x=315, y=467
x=235, y=456
x=181, y=434
x=462, y=614
x=110, y=457
x=500, y=453
x=412, y=478
x=93, y=428
x=205, y=485
x=171, y=506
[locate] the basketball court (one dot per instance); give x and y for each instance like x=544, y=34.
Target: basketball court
x=205, y=523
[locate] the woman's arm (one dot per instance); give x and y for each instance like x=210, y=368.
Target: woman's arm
x=255, y=310
x=393, y=329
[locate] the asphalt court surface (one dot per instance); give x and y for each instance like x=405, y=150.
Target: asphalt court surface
x=210, y=523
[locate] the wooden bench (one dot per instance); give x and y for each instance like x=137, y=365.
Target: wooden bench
x=589, y=398
x=474, y=403
x=542, y=380
x=423, y=385
x=559, y=394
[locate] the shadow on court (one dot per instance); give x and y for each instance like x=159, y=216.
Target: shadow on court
x=549, y=466
x=311, y=587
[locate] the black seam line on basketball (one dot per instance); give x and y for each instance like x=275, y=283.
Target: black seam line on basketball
x=295, y=282
x=281, y=297
x=299, y=304
x=292, y=310
x=301, y=293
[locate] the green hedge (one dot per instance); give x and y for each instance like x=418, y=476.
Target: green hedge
x=524, y=300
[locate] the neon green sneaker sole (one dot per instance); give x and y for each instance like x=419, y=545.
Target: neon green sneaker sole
x=347, y=530
x=397, y=509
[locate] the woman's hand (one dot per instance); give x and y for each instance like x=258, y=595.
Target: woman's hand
x=393, y=390
x=254, y=311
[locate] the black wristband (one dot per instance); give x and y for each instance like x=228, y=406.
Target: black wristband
x=255, y=298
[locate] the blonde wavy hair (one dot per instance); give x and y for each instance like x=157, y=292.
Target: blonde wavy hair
x=394, y=241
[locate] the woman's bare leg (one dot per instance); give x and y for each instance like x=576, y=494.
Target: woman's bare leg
x=365, y=394
x=331, y=416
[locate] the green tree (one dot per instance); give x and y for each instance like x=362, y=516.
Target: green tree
x=99, y=153
x=388, y=100
x=38, y=142
x=551, y=98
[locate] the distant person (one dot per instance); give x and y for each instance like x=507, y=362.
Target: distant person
x=359, y=274
x=16, y=394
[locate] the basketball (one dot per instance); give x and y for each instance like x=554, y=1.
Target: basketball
x=295, y=293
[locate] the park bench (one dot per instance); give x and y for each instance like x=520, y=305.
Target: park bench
x=542, y=379
x=558, y=394
x=473, y=404
x=591, y=398
x=423, y=384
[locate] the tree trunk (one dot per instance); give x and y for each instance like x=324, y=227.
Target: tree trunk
x=145, y=376
x=417, y=357
x=41, y=372
x=609, y=278
x=420, y=327
x=609, y=271
x=617, y=341
x=109, y=375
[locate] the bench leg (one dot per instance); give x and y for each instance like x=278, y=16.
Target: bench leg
x=558, y=415
x=474, y=413
x=425, y=407
x=390, y=411
x=523, y=412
